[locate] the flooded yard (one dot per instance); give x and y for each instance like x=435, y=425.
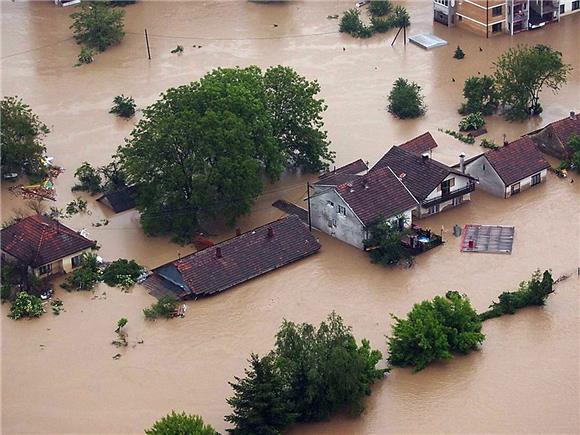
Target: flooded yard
x=58, y=375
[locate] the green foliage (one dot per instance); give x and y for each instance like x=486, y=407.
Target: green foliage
x=380, y=8
x=56, y=305
x=84, y=277
x=381, y=25
x=521, y=74
x=260, y=404
x=121, y=323
x=202, y=148
x=8, y=274
x=114, y=178
x=489, y=144
x=351, y=23
x=123, y=106
x=473, y=121
x=121, y=273
x=573, y=146
x=21, y=134
x=401, y=17
x=459, y=136
x=406, y=100
x=481, y=95
x=434, y=330
x=323, y=369
x=26, y=305
x=86, y=56
x=178, y=49
x=76, y=206
x=89, y=179
x=97, y=26
x=532, y=292
x=384, y=243
x=164, y=307
x=180, y=424
x=459, y=54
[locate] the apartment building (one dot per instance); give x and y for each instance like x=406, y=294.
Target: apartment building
x=569, y=6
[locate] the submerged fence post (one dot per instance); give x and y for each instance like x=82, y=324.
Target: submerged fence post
x=147, y=42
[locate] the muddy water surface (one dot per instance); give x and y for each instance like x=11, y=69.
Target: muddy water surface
x=524, y=380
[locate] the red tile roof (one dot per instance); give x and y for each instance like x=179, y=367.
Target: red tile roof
x=379, y=193
x=517, y=160
x=39, y=240
x=421, y=144
x=341, y=175
x=243, y=257
x=566, y=128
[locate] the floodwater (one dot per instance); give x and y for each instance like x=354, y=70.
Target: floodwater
x=58, y=375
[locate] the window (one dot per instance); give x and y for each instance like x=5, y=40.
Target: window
x=515, y=188
x=496, y=12
x=483, y=167
x=46, y=269
x=76, y=261
x=457, y=201
x=342, y=210
x=496, y=28
x=330, y=203
x=536, y=179
x=562, y=9
x=575, y=5
x=434, y=209
x=459, y=18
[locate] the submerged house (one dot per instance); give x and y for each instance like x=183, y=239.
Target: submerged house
x=510, y=169
x=120, y=200
x=553, y=138
x=45, y=245
x=234, y=261
x=434, y=185
x=346, y=210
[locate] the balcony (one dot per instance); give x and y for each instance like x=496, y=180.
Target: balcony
x=447, y=196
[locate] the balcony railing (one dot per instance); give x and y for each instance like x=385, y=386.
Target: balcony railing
x=446, y=197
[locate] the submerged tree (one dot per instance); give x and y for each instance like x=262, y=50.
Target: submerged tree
x=406, y=100
x=384, y=243
x=481, y=95
x=98, y=26
x=522, y=73
x=180, y=424
x=380, y=8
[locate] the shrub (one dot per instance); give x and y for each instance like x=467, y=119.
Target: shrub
x=573, y=146
x=85, y=56
x=459, y=136
x=434, y=330
x=385, y=241
x=351, y=23
x=481, y=95
x=123, y=106
x=178, y=49
x=89, y=178
x=84, y=277
x=381, y=25
x=489, y=144
x=98, y=26
x=401, y=17
x=56, y=305
x=121, y=271
x=164, y=307
x=26, y=305
x=405, y=99
x=473, y=121
x=380, y=8
x=180, y=424
x=459, y=54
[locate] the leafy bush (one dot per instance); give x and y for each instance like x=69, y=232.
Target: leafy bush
x=56, y=305
x=26, y=305
x=434, y=330
x=120, y=271
x=85, y=56
x=381, y=25
x=459, y=136
x=473, y=121
x=123, y=106
x=380, y=8
x=180, y=424
x=352, y=24
x=481, y=95
x=164, y=307
x=401, y=17
x=385, y=241
x=573, y=146
x=89, y=178
x=489, y=144
x=459, y=54
x=532, y=292
x=84, y=277
x=405, y=99
x=97, y=26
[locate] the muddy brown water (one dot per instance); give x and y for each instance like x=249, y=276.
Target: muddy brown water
x=58, y=375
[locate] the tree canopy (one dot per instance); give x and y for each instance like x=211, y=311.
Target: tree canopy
x=384, y=243
x=21, y=134
x=406, y=100
x=98, y=26
x=201, y=150
x=522, y=73
x=180, y=424
x=480, y=94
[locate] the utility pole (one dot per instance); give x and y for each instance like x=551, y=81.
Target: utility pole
x=147, y=43
x=309, y=217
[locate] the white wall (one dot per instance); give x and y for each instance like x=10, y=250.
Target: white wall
x=489, y=180
x=567, y=7
x=526, y=183
x=460, y=183
x=62, y=265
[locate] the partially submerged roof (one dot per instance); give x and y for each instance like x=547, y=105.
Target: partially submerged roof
x=39, y=240
x=240, y=258
x=566, y=128
x=120, y=200
x=341, y=175
x=517, y=160
x=379, y=193
x=420, y=174
x=420, y=144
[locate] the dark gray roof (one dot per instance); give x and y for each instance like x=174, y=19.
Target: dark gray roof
x=120, y=200
x=341, y=175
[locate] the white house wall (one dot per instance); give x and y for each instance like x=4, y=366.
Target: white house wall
x=489, y=180
x=526, y=183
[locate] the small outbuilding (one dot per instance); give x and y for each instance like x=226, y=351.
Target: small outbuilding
x=554, y=137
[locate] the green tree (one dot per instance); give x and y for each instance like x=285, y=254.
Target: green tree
x=433, y=330
x=89, y=179
x=297, y=118
x=260, y=402
x=385, y=241
x=481, y=95
x=351, y=23
x=406, y=100
x=522, y=73
x=26, y=305
x=324, y=369
x=21, y=134
x=401, y=17
x=84, y=277
x=164, y=307
x=573, y=146
x=115, y=272
x=123, y=106
x=98, y=26
x=180, y=424
x=380, y=8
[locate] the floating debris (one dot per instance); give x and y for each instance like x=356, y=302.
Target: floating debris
x=494, y=239
x=117, y=356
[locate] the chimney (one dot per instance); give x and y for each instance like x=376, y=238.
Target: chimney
x=238, y=232
x=424, y=157
x=218, y=252
x=462, y=163
x=505, y=141
x=270, y=232
x=572, y=115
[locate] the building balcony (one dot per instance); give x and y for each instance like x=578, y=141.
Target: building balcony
x=447, y=196
x=519, y=16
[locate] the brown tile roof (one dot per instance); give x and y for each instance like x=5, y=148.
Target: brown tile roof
x=419, y=175
x=379, y=193
x=341, y=175
x=243, y=257
x=421, y=144
x=566, y=128
x=517, y=160
x=39, y=240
